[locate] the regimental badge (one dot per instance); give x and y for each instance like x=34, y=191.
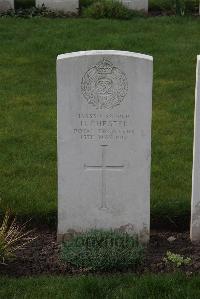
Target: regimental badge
x=104, y=85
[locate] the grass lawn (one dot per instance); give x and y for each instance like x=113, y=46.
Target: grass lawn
x=88, y=287
x=28, y=53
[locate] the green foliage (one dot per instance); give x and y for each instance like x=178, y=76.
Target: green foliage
x=111, y=9
x=178, y=7
x=161, y=5
x=176, y=259
x=86, y=3
x=103, y=250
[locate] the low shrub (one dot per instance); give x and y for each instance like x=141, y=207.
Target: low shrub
x=160, y=5
x=109, y=9
x=86, y=3
x=178, y=7
x=103, y=250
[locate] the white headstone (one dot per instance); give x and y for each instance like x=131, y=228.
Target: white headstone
x=67, y=6
x=5, y=5
x=136, y=4
x=195, y=208
x=104, y=141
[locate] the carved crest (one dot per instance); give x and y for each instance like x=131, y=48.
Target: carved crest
x=104, y=85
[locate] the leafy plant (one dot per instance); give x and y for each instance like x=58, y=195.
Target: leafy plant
x=86, y=3
x=102, y=250
x=178, y=7
x=13, y=237
x=109, y=9
x=176, y=259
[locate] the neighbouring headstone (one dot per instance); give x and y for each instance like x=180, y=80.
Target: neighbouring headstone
x=104, y=142
x=195, y=207
x=5, y=5
x=67, y=6
x=140, y=5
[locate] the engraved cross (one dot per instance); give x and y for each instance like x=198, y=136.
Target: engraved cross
x=103, y=168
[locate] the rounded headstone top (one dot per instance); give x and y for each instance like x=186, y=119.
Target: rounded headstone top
x=104, y=52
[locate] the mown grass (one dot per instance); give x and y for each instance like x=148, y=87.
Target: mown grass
x=28, y=53
x=91, y=287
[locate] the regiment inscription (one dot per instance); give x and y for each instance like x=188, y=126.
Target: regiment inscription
x=104, y=127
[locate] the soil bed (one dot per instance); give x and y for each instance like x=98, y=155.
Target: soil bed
x=42, y=256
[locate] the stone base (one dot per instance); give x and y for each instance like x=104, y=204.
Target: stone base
x=64, y=237
x=143, y=237
x=140, y=5
x=60, y=238
x=67, y=6
x=194, y=233
x=5, y=5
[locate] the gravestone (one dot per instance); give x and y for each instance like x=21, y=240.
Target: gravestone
x=104, y=142
x=67, y=6
x=140, y=5
x=195, y=208
x=5, y=5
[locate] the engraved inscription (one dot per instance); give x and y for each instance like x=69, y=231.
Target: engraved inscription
x=104, y=85
x=104, y=127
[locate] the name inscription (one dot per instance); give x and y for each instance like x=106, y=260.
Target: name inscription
x=103, y=127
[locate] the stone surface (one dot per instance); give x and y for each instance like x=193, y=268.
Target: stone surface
x=67, y=6
x=104, y=141
x=6, y=5
x=195, y=207
x=171, y=239
x=136, y=4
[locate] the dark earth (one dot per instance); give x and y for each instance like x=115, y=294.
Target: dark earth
x=42, y=256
